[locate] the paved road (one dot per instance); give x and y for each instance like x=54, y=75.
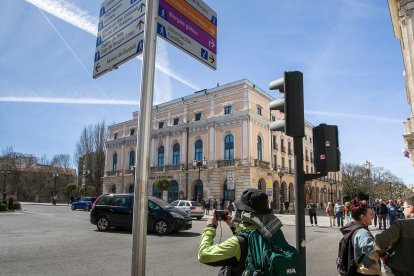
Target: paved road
x=53, y=240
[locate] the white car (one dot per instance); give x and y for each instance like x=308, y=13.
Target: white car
x=193, y=208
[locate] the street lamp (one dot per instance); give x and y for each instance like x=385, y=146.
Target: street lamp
x=280, y=172
x=199, y=165
x=55, y=175
x=4, y=173
x=87, y=173
x=368, y=167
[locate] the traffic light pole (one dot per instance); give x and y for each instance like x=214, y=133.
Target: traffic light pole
x=300, y=202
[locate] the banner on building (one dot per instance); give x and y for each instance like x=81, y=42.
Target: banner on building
x=230, y=181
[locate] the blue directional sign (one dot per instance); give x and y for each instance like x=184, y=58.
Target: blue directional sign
x=120, y=34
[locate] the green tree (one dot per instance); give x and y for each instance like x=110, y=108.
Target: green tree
x=162, y=183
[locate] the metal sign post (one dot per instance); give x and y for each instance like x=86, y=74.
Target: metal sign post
x=139, y=228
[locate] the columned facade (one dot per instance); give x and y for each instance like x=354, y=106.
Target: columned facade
x=229, y=127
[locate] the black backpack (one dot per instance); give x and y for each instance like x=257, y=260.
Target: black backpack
x=346, y=265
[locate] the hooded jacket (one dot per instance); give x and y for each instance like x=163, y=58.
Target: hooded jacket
x=363, y=242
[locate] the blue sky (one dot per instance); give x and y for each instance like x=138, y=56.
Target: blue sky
x=346, y=49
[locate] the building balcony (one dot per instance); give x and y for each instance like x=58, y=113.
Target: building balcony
x=261, y=164
x=113, y=173
x=176, y=167
x=225, y=163
x=157, y=169
x=283, y=148
x=290, y=152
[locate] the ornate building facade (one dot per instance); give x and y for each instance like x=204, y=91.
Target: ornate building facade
x=228, y=128
x=402, y=17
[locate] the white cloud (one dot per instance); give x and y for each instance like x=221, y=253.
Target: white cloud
x=353, y=116
x=67, y=101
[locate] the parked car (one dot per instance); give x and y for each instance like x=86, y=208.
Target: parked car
x=84, y=203
x=116, y=210
x=194, y=208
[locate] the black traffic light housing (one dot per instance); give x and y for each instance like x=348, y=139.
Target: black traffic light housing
x=326, y=148
x=291, y=105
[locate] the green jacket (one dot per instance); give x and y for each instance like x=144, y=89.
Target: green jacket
x=227, y=253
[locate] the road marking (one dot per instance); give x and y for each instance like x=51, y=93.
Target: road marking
x=44, y=214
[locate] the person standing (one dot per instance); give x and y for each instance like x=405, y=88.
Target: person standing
x=382, y=214
x=347, y=212
x=207, y=207
x=215, y=204
x=339, y=213
x=362, y=240
x=392, y=211
x=375, y=209
x=311, y=207
x=397, y=242
x=287, y=207
x=330, y=212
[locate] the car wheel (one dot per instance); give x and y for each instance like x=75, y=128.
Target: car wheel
x=161, y=227
x=72, y=207
x=102, y=224
x=199, y=218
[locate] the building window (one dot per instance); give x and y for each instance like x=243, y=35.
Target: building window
x=114, y=161
x=310, y=139
x=272, y=118
x=229, y=147
x=115, y=135
x=259, y=148
x=289, y=148
x=161, y=156
x=176, y=154
x=132, y=131
x=275, y=162
x=307, y=169
x=282, y=145
x=198, y=117
x=306, y=155
x=290, y=166
x=131, y=159
x=198, y=150
x=283, y=162
x=176, y=120
x=161, y=125
x=259, y=110
x=274, y=141
x=227, y=109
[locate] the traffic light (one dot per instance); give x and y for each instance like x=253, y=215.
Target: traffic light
x=326, y=148
x=291, y=105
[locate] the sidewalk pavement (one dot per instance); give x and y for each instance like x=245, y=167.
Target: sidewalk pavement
x=44, y=203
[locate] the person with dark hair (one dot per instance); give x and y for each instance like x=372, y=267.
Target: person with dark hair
x=251, y=213
x=397, y=242
x=382, y=212
x=362, y=239
x=311, y=207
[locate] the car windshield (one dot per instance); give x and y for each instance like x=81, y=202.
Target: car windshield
x=196, y=203
x=85, y=199
x=161, y=203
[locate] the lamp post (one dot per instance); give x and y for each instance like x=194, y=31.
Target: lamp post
x=199, y=165
x=280, y=172
x=331, y=192
x=132, y=168
x=87, y=173
x=4, y=173
x=55, y=176
x=368, y=167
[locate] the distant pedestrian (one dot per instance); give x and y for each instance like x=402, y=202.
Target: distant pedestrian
x=392, y=212
x=311, y=207
x=215, y=204
x=347, y=212
x=330, y=212
x=222, y=202
x=286, y=206
x=382, y=214
x=339, y=213
x=321, y=204
x=207, y=207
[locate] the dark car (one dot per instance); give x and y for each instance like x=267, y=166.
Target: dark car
x=84, y=203
x=116, y=210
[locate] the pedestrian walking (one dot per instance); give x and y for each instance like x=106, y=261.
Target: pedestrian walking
x=339, y=213
x=397, y=242
x=330, y=212
x=382, y=214
x=207, y=207
x=311, y=207
x=392, y=211
x=287, y=206
x=375, y=209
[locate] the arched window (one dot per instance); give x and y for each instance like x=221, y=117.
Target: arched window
x=229, y=147
x=228, y=194
x=114, y=161
x=198, y=150
x=259, y=148
x=161, y=156
x=176, y=154
x=113, y=189
x=131, y=159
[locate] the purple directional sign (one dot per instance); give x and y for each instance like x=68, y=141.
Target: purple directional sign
x=191, y=26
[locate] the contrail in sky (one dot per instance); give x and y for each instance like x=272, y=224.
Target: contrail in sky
x=83, y=20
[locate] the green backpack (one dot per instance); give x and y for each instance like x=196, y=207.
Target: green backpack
x=270, y=258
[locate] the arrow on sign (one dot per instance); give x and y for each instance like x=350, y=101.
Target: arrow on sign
x=141, y=7
x=97, y=67
x=140, y=24
x=211, y=43
x=211, y=58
